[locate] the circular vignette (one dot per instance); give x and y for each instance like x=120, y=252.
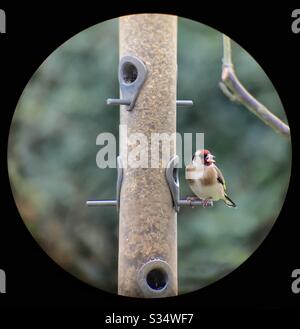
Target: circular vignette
x=52, y=151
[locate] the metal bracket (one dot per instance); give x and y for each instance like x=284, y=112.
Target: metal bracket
x=173, y=180
x=132, y=76
x=172, y=176
x=116, y=202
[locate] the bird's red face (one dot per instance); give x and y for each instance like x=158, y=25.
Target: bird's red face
x=206, y=157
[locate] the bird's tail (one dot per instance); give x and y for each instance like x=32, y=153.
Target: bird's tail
x=229, y=202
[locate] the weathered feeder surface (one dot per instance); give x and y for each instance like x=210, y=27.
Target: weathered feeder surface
x=148, y=221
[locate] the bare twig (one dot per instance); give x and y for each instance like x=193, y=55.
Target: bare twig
x=235, y=91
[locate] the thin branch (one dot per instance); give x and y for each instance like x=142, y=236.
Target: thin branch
x=227, y=56
x=232, y=88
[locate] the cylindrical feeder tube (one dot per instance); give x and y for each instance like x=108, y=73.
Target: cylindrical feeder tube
x=148, y=221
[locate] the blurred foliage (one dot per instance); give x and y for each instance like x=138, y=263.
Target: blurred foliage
x=52, y=152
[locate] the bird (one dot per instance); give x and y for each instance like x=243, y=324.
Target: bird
x=206, y=180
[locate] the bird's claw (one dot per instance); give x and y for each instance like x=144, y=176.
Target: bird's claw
x=191, y=199
x=207, y=202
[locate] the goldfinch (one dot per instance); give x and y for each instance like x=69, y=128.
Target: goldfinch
x=206, y=180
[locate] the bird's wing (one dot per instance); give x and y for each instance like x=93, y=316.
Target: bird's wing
x=220, y=177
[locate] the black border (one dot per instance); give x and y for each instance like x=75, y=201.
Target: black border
x=33, y=279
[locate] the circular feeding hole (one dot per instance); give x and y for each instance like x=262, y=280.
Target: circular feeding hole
x=157, y=279
x=129, y=72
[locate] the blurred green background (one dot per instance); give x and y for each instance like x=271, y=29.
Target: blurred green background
x=52, y=157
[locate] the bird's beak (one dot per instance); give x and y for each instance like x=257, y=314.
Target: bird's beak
x=210, y=158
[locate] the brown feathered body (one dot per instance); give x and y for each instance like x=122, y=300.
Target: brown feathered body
x=206, y=180
x=204, y=183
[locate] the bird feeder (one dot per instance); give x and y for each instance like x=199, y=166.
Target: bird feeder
x=148, y=199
